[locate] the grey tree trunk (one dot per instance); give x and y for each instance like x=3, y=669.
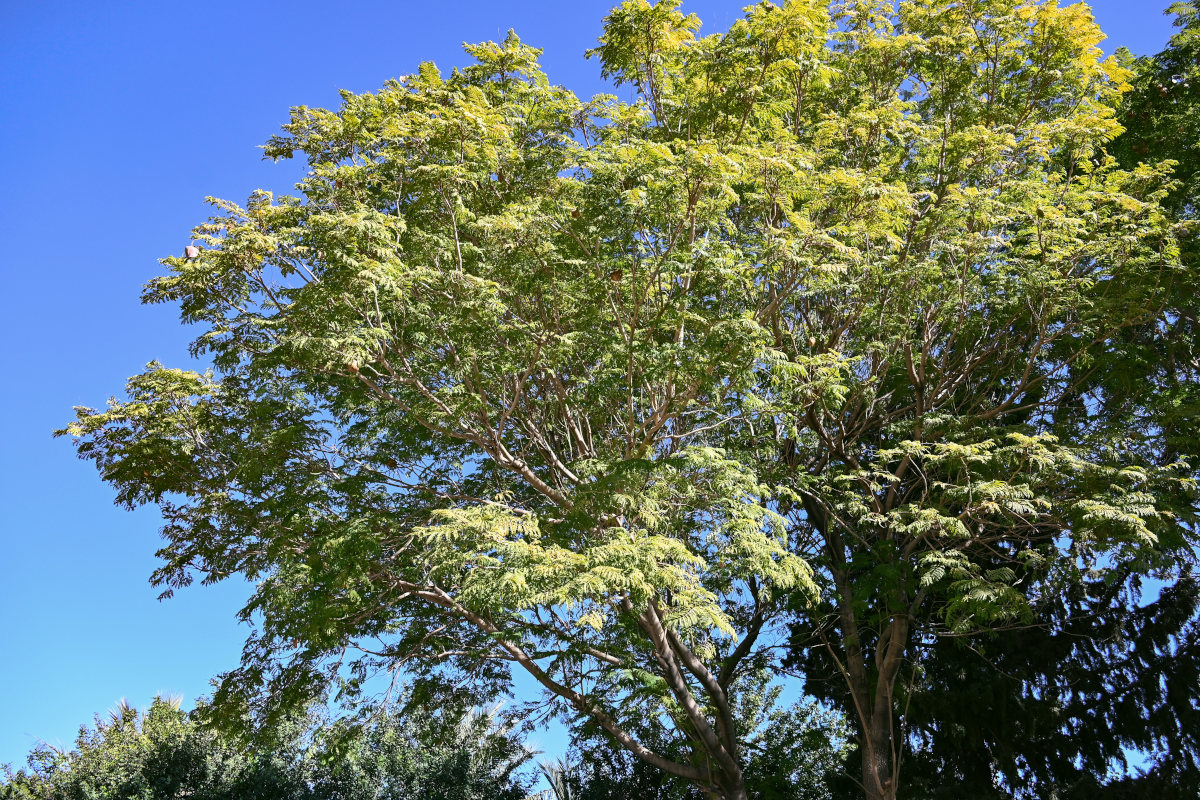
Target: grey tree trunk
x=737, y=791
x=877, y=779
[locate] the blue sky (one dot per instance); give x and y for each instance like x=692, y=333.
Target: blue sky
x=116, y=120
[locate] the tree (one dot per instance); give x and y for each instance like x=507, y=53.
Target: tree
x=975, y=460
x=423, y=756
x=1055, y=705
x=504, y=462
x=161, y=753
x=1160, y=111
x=1100, y=679
x=166, y=753
x=790, y=753
x=606, y=392
x=1161, y=115
x=1095, y=698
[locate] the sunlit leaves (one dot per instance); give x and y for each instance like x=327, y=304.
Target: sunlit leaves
x=837, y=302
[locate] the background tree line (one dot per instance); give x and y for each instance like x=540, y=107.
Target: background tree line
x=166, y=752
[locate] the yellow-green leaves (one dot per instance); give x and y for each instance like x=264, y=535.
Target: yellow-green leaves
x=820, y=328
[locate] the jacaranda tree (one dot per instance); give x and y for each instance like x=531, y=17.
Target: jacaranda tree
x=813, y=332
x=1094, y=693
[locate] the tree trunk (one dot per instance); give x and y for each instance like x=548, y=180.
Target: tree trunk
x=880, y=749
x=870, y=679
x=736, y=790
x=877, y=779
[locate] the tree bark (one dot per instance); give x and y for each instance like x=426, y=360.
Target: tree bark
x=880, y=749
x=877, y=779
x=736, y=789
x=870, y=680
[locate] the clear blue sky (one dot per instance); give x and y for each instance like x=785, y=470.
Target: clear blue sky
x=116, y=120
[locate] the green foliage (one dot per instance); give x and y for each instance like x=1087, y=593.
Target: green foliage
x=1159, y=113
x=1058, y=705
x=791, y=753
x=1062, y=707
x=165, y=753
x=155, y=755
x=843, y=302
x=472, y=756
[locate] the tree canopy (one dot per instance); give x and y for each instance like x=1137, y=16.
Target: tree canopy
x=831, y=333
x=165, y=753
x=795, y=752
x=1096, y=694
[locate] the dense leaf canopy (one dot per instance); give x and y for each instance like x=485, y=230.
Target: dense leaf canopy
x=839, y=305
x=1096, y=695
x=165, y=753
